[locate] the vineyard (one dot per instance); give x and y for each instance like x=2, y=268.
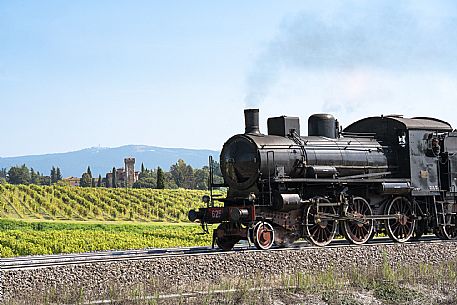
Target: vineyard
x=63, y=219
x=103, y=204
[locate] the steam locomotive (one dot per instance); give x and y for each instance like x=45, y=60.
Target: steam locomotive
x=385, y=174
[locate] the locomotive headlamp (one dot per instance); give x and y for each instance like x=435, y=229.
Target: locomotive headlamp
x=193, y=215
x=206, y=199
x=251, y=197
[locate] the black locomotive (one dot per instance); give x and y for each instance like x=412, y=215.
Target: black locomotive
x=380, y=174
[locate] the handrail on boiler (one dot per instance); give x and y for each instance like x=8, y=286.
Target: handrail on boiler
x=269, y=174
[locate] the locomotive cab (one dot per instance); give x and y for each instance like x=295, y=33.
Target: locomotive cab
x=448, y=164
x=415, y=143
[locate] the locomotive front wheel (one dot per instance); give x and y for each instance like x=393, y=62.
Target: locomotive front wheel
x=320, y=226
x=224, y=241
x=263, y=235
x=401, y=228
x=358, y=230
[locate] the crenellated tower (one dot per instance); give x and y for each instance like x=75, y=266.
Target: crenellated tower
x=129, y=171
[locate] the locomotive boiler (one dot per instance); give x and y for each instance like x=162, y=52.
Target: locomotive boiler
x=382, y=174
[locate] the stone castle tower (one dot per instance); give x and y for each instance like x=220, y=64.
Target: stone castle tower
x=129, y=171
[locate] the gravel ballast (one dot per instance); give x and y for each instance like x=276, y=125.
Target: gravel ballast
x=101, y=280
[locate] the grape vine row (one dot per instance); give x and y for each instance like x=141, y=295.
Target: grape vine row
x=59, y=202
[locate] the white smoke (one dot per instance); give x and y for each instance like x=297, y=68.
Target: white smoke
x=361, y=50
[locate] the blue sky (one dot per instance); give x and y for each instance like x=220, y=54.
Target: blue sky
x=77, y=74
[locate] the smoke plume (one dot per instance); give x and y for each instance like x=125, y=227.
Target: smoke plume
x=389, y=36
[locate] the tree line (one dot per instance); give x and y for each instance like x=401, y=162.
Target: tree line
x=23, y=175
x=180, y=175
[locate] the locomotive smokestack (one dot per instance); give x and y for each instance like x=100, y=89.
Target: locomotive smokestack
x=251, y=120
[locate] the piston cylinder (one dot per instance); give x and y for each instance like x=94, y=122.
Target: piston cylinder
x=237, y=214
x=395, y=188
x=286, y=202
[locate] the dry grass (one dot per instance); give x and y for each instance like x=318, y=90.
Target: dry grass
x=419, y=284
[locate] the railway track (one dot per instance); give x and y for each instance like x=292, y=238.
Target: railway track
x=35, y=262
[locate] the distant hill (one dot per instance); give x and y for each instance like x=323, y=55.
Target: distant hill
x=101, y=160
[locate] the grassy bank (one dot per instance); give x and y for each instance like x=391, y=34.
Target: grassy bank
x=18, y=237
x=418, y=284
x=386, y=284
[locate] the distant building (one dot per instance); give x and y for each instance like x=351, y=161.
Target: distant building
x=72, y=181
x=129, y=171
x=125, y=177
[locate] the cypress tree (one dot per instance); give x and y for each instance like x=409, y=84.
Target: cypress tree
x=143, y=172
x=33, y=177
x=58, y=174
x=160, y=178
x=99, y=182
x=3, y=173
x=85, y=181
x=53, y=175
x=114, y=179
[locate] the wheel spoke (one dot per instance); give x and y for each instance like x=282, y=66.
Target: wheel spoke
x=394, y=224
x=397, y=229
x=315, y=228
x=321, y=235
x=359, y=232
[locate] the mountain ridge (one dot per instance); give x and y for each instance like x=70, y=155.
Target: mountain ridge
x=102, y=159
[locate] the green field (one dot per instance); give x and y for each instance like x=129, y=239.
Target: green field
x=18, y=237
x=62, y=219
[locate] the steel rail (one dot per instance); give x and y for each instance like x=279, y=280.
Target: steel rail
x=32, y=262
x=93, y=257
x=95, y=253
